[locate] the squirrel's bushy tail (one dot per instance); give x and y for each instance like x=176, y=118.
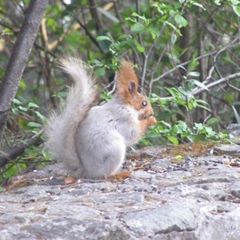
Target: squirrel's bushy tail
x=62, y=126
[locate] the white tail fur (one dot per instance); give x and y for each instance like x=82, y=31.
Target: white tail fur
x=62, y=126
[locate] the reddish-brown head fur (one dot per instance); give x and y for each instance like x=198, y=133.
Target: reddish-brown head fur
x=127, y=90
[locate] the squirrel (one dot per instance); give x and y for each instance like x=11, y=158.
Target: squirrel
x=92, y=140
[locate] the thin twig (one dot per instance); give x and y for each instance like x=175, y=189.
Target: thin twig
x=218, y=82
x=84, y=28
x=198, y=58
x=180, y=65
x=233, y=87
x=208, y=86
x=232, y=45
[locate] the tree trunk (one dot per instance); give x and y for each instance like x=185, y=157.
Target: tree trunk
x=19, y=57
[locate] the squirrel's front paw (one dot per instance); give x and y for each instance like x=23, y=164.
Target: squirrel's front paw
x=151, y=121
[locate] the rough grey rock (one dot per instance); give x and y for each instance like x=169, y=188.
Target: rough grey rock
x=160, y=200
x=160, y=220
x=228, y=149
x=234, y=129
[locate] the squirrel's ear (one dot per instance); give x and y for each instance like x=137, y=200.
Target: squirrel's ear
x=132, y=87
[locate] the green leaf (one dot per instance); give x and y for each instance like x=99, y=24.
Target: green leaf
x=236, y=115
x=182, y=67
x=197, y=4
x=34, y=125
x=51, y=23
x=182, y=1
x=125, y=36
x=199, y=84
x=166, y=124
x=192, y=104
x=173, y=39
x=217, y=2
x=40, y=116
x=2, y=10
x=143, y=18
x=194, y=74
x=174, y=130
x=108, y=15
x=193, y=64
x=210, y=132
x=140, y=48
x=102, y=38
x=212, y=121
x=230, y=98
x=138, y=28
x=158, y=8
x=205, y=108
x=172, y=26
x=172, y=91
x=134, y=14
x=154, y=32
x=235, y=2
x=180, y=20
x=22, y=85
x=173, y=139
x=100, y=72
x=128, y=42
x=22, y=108
x=202, y=106
x=236, y=9
x=33, y=105
x=198, y=126
x=16, y=101
x=104, y=41
x=60, y=95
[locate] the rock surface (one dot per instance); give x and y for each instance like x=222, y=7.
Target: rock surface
x=160, y=198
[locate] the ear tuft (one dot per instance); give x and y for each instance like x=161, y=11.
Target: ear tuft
x=127, y=82
x=126, y=74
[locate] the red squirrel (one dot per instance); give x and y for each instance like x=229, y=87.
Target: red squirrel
x=92, y=140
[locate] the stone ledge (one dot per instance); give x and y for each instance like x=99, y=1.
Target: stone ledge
x=160, y=199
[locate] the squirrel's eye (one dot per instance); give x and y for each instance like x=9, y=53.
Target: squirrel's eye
x=144, y=103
